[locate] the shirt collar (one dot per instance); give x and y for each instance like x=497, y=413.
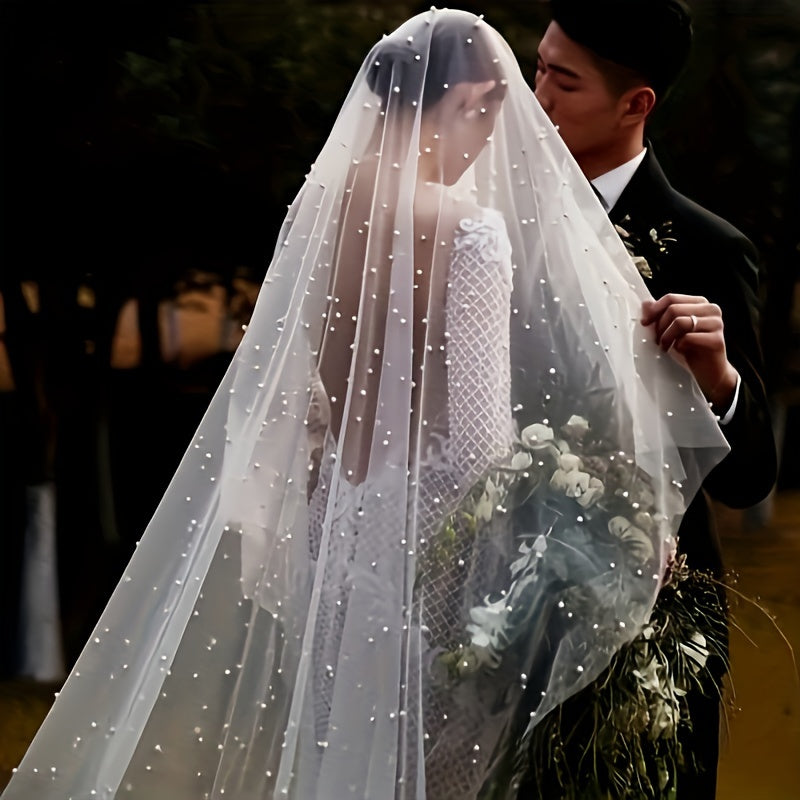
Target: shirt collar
x=611, y=185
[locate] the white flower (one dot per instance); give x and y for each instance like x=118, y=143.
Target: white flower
x=577, y=484
x=636, y=540
x=644, y=521
x=478, y=636
x=569, y=462
x=522, y=562
x=488, y=622
x=483, y=509
x=493, y=495
x=593, y=493
x=618, y=525
x=558, y=480
x=521, y=461
x=538, y=548
x=537, y=435
x=576, y=427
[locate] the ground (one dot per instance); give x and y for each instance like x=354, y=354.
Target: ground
x=761, y=746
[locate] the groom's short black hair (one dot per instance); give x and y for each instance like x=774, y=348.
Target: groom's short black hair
x=652, y=38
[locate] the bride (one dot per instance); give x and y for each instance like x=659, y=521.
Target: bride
x=435, y=492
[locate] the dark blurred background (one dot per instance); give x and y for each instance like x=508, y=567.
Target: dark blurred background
x=149, y=151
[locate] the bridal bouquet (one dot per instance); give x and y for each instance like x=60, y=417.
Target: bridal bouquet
x=618, y=735
x=575, y=481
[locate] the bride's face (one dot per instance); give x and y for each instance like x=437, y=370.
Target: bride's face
x=456, y=130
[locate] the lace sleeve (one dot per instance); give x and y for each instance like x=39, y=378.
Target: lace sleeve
x=478, y=363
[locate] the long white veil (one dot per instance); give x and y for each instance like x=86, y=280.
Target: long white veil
x=436, y=490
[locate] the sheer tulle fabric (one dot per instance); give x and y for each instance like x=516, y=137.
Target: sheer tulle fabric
x=285, y=626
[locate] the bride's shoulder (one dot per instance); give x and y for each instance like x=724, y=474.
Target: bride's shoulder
x=468, y=228
x=448, y=211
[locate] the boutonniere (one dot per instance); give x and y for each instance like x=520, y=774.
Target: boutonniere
x=654, y=243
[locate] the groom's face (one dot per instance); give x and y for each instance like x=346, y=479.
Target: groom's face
x=576, y=96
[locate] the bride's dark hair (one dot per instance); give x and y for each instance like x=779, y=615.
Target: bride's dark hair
x=458, y=52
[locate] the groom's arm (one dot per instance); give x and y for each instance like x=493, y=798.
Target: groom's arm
x=748, y=473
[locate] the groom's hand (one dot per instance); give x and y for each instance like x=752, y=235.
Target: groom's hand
x=693, y=327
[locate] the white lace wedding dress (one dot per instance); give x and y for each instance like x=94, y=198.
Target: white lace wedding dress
x=472, y=432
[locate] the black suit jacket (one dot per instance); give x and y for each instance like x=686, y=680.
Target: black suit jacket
x=699, y=253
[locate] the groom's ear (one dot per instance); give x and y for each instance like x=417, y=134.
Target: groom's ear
x=636, y=105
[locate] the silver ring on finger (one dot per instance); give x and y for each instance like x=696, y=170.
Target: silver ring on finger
x=694, y=322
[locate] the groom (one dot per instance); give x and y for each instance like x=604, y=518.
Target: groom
x=603, y=66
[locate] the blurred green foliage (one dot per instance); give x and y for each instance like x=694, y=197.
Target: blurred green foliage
x=259, y=84
x=177, y=121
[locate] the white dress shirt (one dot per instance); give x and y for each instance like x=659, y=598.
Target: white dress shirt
x=609, y=187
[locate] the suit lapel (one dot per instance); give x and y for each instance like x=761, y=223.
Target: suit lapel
x=643, y=207
x=643, y=197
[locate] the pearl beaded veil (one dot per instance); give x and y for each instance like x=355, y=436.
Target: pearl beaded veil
x=436, y=490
